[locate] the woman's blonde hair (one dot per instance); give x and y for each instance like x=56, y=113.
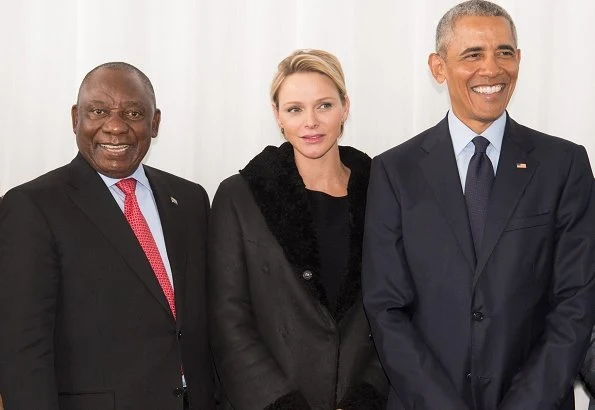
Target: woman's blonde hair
x=309, y=61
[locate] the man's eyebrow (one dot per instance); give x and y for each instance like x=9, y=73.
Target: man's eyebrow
x=472, y=50
x=506, y=47
x=131, y=103
x=95, y=102
x=478, y=49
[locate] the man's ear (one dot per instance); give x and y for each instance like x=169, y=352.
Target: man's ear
x=74, y=114
x=155, y=122
x=437, y=67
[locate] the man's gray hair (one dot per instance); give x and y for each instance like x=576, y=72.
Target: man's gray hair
x=481, y=8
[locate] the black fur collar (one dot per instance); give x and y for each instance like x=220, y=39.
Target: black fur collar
x=281, y=196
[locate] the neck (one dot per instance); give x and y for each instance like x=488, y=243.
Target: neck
x=325, y=174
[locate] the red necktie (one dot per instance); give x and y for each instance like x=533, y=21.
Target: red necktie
x=141, y=229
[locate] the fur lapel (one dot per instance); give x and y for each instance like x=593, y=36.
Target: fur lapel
x=281, y=197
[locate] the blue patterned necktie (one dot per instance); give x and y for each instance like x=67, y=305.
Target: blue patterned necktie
x=478, y=187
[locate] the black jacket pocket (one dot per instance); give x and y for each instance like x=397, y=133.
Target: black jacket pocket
x=523, y=222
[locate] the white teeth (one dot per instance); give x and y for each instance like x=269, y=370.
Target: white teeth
x=488, y=89
x=114, y=148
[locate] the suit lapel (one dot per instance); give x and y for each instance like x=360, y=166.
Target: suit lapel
x=174, y=231
x=91, y=195
x=509, y=185
x=441, y=172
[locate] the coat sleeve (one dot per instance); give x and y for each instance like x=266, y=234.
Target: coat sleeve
x=28, y=294
x=249, y=376
x=588, y=368
x=548, y=375
x=389, y=297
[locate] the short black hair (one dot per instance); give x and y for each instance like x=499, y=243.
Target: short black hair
x=120, y=65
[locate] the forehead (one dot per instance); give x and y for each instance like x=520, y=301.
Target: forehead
x=114, y=85
x=478, y=31
x=307, y=85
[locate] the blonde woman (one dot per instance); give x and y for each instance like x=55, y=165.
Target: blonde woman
x=288, y=330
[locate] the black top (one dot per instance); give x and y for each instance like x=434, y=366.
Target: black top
x=330, y=217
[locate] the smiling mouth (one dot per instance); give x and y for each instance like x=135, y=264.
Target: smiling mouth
x=488, y=89
x=115, y=148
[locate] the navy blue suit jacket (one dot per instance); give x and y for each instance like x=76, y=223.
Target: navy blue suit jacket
x=504, y=329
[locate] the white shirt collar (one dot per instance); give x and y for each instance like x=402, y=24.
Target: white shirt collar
x=139, y=175
x=462, y=135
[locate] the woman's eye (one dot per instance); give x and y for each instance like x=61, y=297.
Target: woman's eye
x=294, y=109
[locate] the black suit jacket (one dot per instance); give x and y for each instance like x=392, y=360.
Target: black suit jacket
x=84, y=322
x=506, y=329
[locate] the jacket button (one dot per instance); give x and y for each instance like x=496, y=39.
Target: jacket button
x=478, y=316
x=468, y=376
x=307, y=274
x=370, y=336
x=178, y=392
x=179, y=334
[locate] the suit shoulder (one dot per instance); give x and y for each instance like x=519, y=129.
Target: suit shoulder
x=407, y=150
x=545, y=143
x=541, y=139
x=174, y=181
x=49, y=182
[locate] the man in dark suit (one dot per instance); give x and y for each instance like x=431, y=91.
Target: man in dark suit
x=102, y=268
x=480, y=290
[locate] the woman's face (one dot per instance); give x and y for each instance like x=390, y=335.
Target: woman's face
x=311, y=113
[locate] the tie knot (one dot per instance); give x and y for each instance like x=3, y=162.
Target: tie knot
x=481, y=144
x=127, y=185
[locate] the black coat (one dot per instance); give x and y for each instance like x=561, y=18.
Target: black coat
x=276, y=343
x=85, y=324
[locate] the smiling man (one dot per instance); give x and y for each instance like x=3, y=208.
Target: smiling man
x=102, y=268
x=479, y=254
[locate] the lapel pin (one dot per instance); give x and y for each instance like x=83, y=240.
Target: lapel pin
x=521, y=165
x=173, y=200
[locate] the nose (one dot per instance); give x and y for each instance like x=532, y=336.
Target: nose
x=490, y=66
x=115, y=125
x=311, y=119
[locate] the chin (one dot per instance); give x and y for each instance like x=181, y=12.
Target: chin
x=316, y=154
x=490, y=117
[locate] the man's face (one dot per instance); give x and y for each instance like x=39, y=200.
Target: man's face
x=480, y=65
x=114, y=121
